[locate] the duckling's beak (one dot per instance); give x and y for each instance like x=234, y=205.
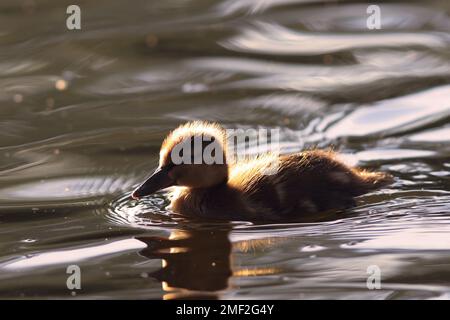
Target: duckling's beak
x=159, y=180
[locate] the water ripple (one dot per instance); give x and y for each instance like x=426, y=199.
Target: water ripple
x=263, y=38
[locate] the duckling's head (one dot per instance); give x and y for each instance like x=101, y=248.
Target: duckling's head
x=193, y=155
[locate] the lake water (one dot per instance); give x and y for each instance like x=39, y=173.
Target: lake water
x=83, y=113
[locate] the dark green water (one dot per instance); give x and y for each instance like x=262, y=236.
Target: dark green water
x=83, y=113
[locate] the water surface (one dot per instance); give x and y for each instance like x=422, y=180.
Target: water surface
x=83, y=114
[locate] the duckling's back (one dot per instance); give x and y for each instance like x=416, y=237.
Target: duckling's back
x=308, y=182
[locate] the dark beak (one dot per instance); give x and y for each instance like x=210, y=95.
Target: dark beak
x=158, y=180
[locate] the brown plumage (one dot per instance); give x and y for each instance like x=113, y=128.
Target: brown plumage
x=308, y=182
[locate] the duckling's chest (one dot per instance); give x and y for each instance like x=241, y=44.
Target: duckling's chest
x=219, y=202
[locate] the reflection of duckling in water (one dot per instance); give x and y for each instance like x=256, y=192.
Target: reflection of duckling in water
x=307, y=182
x=196, y=263
x=199, y=262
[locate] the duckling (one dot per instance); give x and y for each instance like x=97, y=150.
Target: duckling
x=308, y=182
